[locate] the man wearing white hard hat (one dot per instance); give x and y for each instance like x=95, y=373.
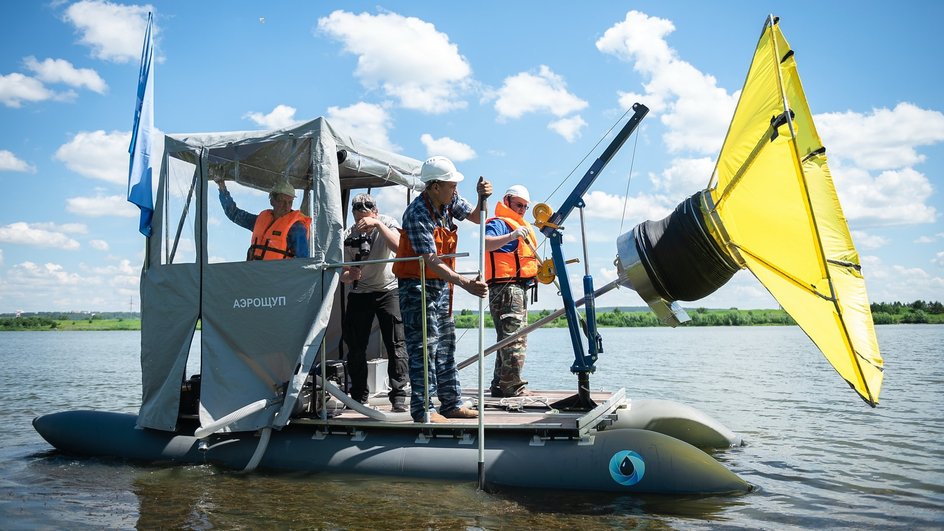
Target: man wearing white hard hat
x=277, y=233
x=511, y=266
x=428, y=231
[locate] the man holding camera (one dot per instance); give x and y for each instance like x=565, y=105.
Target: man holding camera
x=373, y=236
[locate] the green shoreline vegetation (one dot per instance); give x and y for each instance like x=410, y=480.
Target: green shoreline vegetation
x=917, y=312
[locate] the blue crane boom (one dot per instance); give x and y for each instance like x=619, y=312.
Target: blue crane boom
x=583, y=362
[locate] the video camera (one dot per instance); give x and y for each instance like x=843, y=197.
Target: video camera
x=361, y=242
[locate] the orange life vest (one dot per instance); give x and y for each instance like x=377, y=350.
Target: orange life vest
x=521, y=264
x=446, y=242
x=270, y=236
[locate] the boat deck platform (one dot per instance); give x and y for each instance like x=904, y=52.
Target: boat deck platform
x=532, y=413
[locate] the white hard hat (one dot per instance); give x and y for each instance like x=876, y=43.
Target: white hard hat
x=282, y=187
x=440, y=169
x=518, y=190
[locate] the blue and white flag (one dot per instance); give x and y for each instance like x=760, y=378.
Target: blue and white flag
x=139, y=172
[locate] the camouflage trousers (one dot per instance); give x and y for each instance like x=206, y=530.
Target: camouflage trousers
x=443, y=376
x=508, y=303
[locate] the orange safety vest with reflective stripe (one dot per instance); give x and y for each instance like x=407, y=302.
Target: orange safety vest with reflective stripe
x=270, y=236
x=521, y=264
x=446, y=242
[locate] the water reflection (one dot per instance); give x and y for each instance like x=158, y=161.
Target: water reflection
x=205, y=498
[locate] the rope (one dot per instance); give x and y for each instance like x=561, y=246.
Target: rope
x=629, y=180
x=602, y=138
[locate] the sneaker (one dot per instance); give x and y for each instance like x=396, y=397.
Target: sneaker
x=461, y=413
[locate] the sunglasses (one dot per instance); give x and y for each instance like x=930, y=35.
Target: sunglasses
x=518, y=204
x=366, y=205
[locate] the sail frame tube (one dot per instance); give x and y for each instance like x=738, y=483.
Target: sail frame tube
x=824, y=269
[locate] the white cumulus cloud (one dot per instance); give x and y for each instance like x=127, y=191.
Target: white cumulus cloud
x=893, y=197
x=405, y=57
x=569, y=128
x=872, y=156
x=43, y=274
x=281, y=116
x=16, y=88
x=695, y=111
x=447, y=147
x=888, y=283
x=22, y=233
x=924, y=238
x=65, y=228
x=114, y=32
x=62, y=71
x=683, y=177
x=602, y=205
x=98, y=206
x=868, y=242
x=10, y=162
x=98, y=155
x=882, y=139
x=99, y=245
x=543, y=91
x=367, y=121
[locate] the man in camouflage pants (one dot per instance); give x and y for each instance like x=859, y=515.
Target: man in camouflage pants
x=510, y=270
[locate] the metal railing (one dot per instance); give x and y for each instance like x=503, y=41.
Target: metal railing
x=422, y=268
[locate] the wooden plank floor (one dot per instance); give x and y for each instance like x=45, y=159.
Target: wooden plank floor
x=533, y=413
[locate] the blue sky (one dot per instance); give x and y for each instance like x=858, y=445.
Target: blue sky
x=516, y=91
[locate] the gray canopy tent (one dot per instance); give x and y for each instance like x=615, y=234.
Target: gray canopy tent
x=263, y=322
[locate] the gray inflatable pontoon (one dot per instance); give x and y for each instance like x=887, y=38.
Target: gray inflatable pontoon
x=617, y=448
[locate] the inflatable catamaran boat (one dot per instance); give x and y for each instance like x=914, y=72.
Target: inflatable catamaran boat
x=268, y=396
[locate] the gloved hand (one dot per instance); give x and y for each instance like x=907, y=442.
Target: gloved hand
x=522, y=232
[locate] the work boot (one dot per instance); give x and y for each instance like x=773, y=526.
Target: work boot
x=496, y=392
x=436, y=417
x=461, y=413
x=398, y=407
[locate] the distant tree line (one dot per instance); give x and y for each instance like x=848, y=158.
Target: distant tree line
x=75, y=316
x=918, y=312
x=617, y=318
x=28, y=323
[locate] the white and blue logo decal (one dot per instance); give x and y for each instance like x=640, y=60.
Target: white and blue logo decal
x=627, y=467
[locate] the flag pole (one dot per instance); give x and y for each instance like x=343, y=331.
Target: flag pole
x=483, y=211
x=140, y=168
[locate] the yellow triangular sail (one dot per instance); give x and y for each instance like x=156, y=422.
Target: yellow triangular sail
x=773, y=168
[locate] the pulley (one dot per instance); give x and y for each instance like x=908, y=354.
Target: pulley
x=546, y=273
x=543, y=212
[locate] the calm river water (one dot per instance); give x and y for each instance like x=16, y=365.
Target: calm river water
x=818, y=455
